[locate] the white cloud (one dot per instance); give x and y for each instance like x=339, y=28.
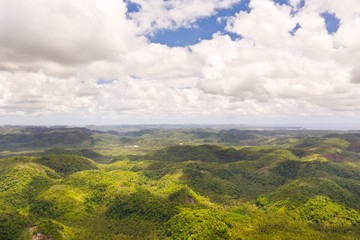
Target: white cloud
x=267, y=24
x=36, y=93
x=271, y=64
x=264, y=74
x=53, y=53
x=172, y=14
x=54, y=35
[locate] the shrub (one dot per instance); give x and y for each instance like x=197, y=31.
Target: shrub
x=66, y=164
x=198, y=224
x=143, y=204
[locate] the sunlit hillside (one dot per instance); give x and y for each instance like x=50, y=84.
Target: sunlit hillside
x=179, y=184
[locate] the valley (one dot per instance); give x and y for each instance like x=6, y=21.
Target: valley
x=176, y=182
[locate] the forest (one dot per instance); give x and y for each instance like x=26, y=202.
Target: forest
x=178, y=182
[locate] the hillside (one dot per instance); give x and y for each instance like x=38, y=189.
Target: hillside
x=291, y=185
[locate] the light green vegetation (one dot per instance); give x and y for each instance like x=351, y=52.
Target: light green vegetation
x=249, y=185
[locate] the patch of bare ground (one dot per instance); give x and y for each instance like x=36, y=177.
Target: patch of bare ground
x=38, y=236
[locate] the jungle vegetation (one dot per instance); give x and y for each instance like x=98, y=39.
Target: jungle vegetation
x=178, y=183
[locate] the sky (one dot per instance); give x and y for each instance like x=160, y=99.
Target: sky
x=179, y=61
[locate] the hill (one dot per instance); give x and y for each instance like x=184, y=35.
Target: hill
x=291, y=186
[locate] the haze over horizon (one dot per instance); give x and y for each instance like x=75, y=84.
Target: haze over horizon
x=252, y=62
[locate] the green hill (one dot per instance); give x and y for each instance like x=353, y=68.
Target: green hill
x=291, y=186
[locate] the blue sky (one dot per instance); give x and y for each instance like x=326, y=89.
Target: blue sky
x=204, y=28
x=331, y=21
x=179, y=61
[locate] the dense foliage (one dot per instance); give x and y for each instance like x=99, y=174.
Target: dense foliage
x=130, y=185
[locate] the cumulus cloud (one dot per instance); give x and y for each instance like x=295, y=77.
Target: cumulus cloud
x=265, y=74
x=65, y=56
x=58, y=35
x=267, y=24
x=158, y=14
x=311, y=65
x=31, y=94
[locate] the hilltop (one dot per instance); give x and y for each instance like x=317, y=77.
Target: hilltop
x=77, y=183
